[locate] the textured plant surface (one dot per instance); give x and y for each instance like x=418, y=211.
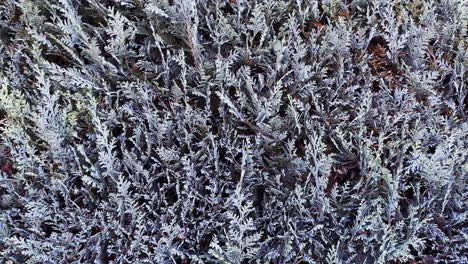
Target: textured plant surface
x=233, y=131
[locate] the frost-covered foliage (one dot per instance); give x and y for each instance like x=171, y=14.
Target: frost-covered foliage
x=233, y=131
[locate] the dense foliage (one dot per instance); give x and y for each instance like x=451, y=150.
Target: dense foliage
x=233, y=131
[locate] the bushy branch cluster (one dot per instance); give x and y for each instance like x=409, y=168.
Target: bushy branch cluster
x=233, y=131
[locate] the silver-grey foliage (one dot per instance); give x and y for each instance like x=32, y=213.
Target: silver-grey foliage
x=233, y=131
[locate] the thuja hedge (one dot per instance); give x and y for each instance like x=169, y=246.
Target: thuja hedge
x=233, y=131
